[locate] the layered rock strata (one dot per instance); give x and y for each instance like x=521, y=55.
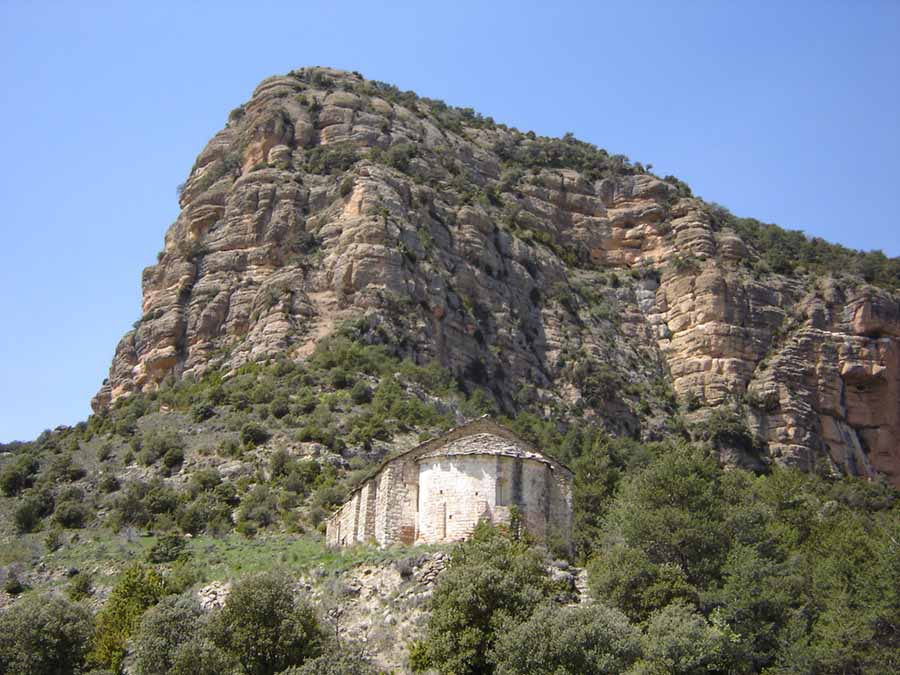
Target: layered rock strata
x=327, y=198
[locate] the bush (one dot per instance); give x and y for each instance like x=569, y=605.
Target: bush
x=264, y=628
x=18, y=475
x=201, y=657
x=204, y=480
x=27, y=515
x=302, y=477
x=156, y=444
x=202, y=411
x=81, y=586
x=339, y=659
x=280, y=463
x=46, y=635
x=13, y=585
x=579, y=640
x=258, y=507
x=139, y=503
x=163, y=629
x=340, y=378
x=138, y=588
x=678, y=640
x=230, y=448
x=108, y=483
x=205, y=514
x=54, y=539
x=167, y=548
x=173, y=458
x=625, y=578
x=673, y=510
x=72, y=515
x=279, y=407
x=63, y=469
x=331, y=158
x=492, y=578
x=104, y=452
x=361, y=393
x=252, y=434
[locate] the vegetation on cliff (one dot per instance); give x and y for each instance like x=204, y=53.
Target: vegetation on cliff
x=691, y=568
x=357, y=269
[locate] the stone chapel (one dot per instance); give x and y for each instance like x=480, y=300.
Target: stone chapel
x=439, y=491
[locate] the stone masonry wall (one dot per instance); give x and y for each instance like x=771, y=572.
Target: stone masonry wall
x=454, y=494
x=439, y=493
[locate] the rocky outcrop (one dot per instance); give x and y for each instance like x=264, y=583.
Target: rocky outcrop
x=585, y=288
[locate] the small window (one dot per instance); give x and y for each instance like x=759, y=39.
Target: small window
x=502, y=493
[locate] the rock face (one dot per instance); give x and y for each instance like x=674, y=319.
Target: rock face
x=559, y=277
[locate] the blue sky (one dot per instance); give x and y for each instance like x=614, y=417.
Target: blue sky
x=789, y=112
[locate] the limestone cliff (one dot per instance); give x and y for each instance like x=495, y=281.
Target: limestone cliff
x=559, y=277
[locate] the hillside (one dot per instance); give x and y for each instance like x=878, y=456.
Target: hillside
x=558, y=278
x=356, y=269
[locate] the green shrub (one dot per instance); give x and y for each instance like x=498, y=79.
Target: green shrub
x=792, y=252
x=108, y=483
x=673, y=511
x=399, y=156
x=202, y=411
x=230, y=448
x=253, y=434
x=13, y=585
x=207, y=513
x=579, y=640
x=156, y=444
x=138, y=588
x=756, y=596
x=361, y=393
x=258, y=508
x=279, y=463
x=173, y=458
x=167, y=548
x=339, y=659
x=27, y=515
x=331, y=158
x=201, y=656
x=129, y=507
x=81, y=586
x=55, y=538
x=680, y=641
x=625, y=578
x=492, y=579
x=279, y=407
x=18, y=475
x=534, y=152
x=63, y=469
x=599, y=382
x=204, y=480
x=46, y=635
x=163, y=630
x=340, y=378
x=726, y=429
x=263, y=626
x=72, y=515
x=104, y=452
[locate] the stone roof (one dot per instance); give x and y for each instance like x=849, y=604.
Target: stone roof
x=458, y=438
x=485, y=444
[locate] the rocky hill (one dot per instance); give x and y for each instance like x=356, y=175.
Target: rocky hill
x=556, y=277
x=356, y=269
